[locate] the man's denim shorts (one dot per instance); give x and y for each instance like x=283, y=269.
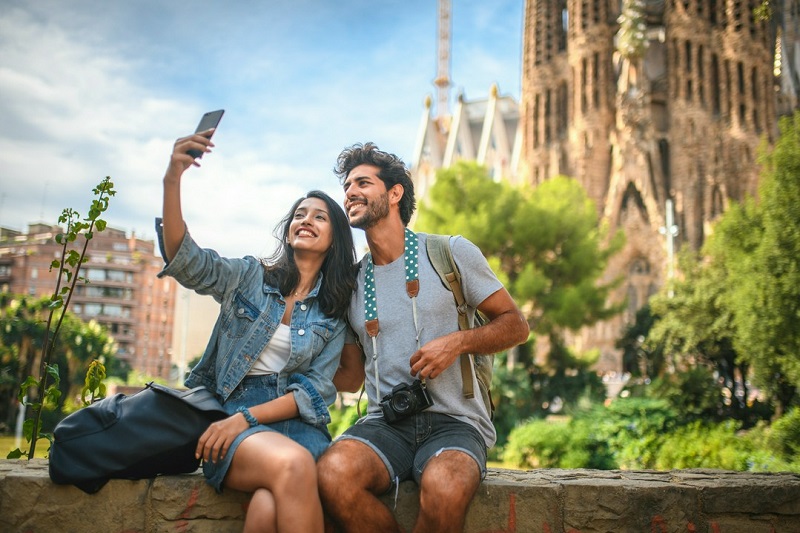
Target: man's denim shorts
x=406, y=446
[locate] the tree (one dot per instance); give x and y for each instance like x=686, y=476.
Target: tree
x=758, y=245
x=641, y=360
x=22, y=323
x=695, y=329
x=736, y=307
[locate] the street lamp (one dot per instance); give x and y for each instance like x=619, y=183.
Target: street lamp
x=670, y=230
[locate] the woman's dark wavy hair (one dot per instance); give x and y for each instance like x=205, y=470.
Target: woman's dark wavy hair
x=392, y=171
x=338, y=269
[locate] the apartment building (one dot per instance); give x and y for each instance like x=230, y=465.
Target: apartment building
x=121, y=291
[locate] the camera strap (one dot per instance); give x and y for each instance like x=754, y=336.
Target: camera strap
x=411, y=260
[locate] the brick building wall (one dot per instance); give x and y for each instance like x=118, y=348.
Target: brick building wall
x=123, y=293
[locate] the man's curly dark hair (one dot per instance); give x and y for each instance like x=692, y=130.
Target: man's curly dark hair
x=391, y=171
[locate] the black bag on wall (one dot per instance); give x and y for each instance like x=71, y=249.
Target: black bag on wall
x=154, y=431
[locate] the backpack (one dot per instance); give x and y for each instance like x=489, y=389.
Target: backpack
x=441, y=257
x=151, y=432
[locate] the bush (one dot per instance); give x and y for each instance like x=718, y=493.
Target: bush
x=512, y=396
x=694, y=393
x=775, y=447
x=537, y=444
x=633, y=429
x=705, y=446
x=784, y=436
x=344, y=417
x=557, y=444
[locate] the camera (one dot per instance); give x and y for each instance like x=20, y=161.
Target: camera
x=405, y=400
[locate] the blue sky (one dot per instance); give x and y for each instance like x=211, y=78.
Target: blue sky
x=90, y=88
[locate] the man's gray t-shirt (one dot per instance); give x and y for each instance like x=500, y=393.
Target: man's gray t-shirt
x=436, y=316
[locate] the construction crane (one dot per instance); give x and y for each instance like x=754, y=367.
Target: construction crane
x=442, y=81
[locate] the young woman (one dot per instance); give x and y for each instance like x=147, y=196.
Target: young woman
x=273, y=351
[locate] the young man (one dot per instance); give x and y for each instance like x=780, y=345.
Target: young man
x=407, y=324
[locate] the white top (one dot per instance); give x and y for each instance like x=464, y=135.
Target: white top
x=275, y=354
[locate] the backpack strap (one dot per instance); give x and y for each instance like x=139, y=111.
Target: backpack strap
x=441, y=257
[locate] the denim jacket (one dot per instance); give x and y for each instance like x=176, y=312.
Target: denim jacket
x=250, y=312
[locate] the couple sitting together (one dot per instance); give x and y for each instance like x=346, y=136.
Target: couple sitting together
x=310, y=320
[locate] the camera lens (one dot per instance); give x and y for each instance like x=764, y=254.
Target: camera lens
x=402, y=402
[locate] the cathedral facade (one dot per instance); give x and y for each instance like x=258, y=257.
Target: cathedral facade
x=657, y=107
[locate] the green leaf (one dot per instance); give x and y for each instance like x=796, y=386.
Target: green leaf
x=16, y=454
x=29, y=382
x=52, y=371
x=27, y=429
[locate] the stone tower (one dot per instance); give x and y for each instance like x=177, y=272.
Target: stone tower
x=650, y=104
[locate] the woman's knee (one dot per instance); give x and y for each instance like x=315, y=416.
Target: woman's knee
x=294, y=464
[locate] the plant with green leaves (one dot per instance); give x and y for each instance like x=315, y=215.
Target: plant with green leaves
x=94, y=385
x=43, y=392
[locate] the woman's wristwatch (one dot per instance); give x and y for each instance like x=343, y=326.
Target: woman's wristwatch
x=253, y=421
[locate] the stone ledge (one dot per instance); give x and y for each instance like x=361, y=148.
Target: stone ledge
x=545, y=500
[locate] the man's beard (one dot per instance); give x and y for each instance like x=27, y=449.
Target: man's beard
x=375, y=211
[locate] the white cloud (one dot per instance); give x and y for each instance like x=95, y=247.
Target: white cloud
x=94, y=88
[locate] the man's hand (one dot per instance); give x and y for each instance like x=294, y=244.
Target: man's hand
x=435, y=357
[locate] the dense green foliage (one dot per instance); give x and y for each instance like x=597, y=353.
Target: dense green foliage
x=22, y=323
x=715, y=356
x=735, y=309
x=342, y=417
x=758, y=245
x=649, y=434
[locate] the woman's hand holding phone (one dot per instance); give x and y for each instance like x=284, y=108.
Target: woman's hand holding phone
x=208, y=123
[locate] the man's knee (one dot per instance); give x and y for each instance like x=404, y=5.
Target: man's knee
x=351, y=465
x=451, y=475
x=335, y=467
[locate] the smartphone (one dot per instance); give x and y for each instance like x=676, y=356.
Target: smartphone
x=208, y=121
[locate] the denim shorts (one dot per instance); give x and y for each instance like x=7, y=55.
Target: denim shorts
x=406, y=446
x=254, y=390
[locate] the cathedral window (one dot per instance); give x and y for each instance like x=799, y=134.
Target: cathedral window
x=701, y=75
x=596, y=80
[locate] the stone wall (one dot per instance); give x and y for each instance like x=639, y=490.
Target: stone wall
x=546, y=501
